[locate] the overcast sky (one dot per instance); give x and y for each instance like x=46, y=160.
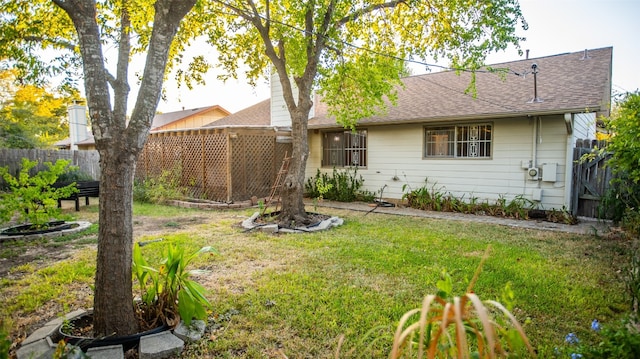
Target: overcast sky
x=555, y=27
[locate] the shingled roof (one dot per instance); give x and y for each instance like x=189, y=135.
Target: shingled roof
x=163, y=119
x=567, y=83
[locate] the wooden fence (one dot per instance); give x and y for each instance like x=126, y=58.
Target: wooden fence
x=591, y=178
x=87, y=161
x=222, y=164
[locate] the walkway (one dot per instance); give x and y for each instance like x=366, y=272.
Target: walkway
x=588, y=226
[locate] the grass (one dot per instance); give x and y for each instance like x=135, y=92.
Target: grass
x=297, y=294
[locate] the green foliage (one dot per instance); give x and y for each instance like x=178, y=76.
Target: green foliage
x=432, y=198
x=5, y=343
x=622, y=200
x=74, y=174
x=619, y=341
x=33, y=197
x=624, y=125
x=167, y=291
x=448, y=326
x=33, y=117
x=351, y=50
x=342, y=185
x=159, y=189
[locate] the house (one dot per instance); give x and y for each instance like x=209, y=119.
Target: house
x=515, y=138
x=190, y=118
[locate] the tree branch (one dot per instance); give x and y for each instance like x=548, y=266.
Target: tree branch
x=63, y=44
x=368, y=9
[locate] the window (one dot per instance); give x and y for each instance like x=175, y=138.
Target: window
x=462, y=141
x=344, y=149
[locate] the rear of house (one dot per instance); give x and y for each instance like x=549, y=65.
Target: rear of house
x=515, y=138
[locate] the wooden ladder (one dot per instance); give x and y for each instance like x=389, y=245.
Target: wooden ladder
x=277, y=185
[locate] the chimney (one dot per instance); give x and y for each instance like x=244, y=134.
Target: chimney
x=527, y=54
x=77, y=125
x=280, y=116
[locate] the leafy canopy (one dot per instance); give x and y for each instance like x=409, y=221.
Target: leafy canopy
x=360, y=45
x=31, y=116
x=624, y=124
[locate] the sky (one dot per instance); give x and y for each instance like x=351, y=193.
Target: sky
x=555, y=27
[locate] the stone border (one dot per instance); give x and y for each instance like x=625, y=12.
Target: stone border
x=203, y=204
x=250, y=224
x=40, y=344
x=82, y=225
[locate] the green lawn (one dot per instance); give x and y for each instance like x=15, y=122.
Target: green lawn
x=297, y=294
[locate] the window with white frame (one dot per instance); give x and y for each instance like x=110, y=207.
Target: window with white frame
x=344, y=149
x=458, y=141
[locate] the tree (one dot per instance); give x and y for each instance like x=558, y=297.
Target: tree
x=622, y=200
x=624, y=124
x=32, y=117
x=352, y=52
x=85, y=28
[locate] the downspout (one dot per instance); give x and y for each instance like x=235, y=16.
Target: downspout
x=534, y=142
x=568, y=173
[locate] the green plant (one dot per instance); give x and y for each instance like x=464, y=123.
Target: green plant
x=459, y=327
x=167, y=292
x=342, y=185
x=33, y=197
x=68, y=351
x=159, y=189
x=5, y=343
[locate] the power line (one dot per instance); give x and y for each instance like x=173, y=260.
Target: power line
x=422, y=63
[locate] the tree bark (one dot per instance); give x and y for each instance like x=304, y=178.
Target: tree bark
x=119, y=145
x=293, y=211
x=113, y=297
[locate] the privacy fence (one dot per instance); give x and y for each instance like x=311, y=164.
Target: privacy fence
x=220, y=164
x=591, y=177
x=87, y=161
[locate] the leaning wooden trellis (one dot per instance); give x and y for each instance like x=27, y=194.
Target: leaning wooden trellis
x=276, y=189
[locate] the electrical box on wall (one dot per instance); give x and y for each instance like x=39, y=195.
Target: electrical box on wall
x=536, y=194
x=549, y=172
x=533, y=173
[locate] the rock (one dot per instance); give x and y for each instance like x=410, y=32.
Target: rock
x=190, y=333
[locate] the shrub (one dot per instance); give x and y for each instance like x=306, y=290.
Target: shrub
x=432, y=198
x=167, y=292
x=158, y=189
x=33, y=197
x=342, y=185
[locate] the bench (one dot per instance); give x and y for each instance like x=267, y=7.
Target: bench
x=86, y=189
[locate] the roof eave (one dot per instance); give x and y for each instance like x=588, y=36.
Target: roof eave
x=474, y=117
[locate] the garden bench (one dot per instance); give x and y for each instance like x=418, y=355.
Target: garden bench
x=86, y=189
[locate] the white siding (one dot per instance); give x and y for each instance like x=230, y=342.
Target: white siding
x=584, y=125
x=280, y=116
x=397, y=151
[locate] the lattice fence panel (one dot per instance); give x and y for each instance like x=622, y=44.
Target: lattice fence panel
x=172, y=154
x=150, y=161
x=208, y=170
x=192, y=177
x=215, y=166
x=252, y=165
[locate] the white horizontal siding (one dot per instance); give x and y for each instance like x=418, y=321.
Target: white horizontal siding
x=584, y=125
x=396, y=151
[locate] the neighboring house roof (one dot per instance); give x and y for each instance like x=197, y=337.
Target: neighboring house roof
x=164, y=119
x=160, y=121
x=566, y=83
x=256, y=115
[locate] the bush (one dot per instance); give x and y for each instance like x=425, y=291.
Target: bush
x=33, y=198
x=342, y=186
x=158, y=189
x=432, y=198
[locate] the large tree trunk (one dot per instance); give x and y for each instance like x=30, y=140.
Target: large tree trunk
x=119, y=144
x=293, y=211
x=113, y=302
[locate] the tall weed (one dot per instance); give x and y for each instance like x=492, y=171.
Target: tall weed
x=342, y=185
